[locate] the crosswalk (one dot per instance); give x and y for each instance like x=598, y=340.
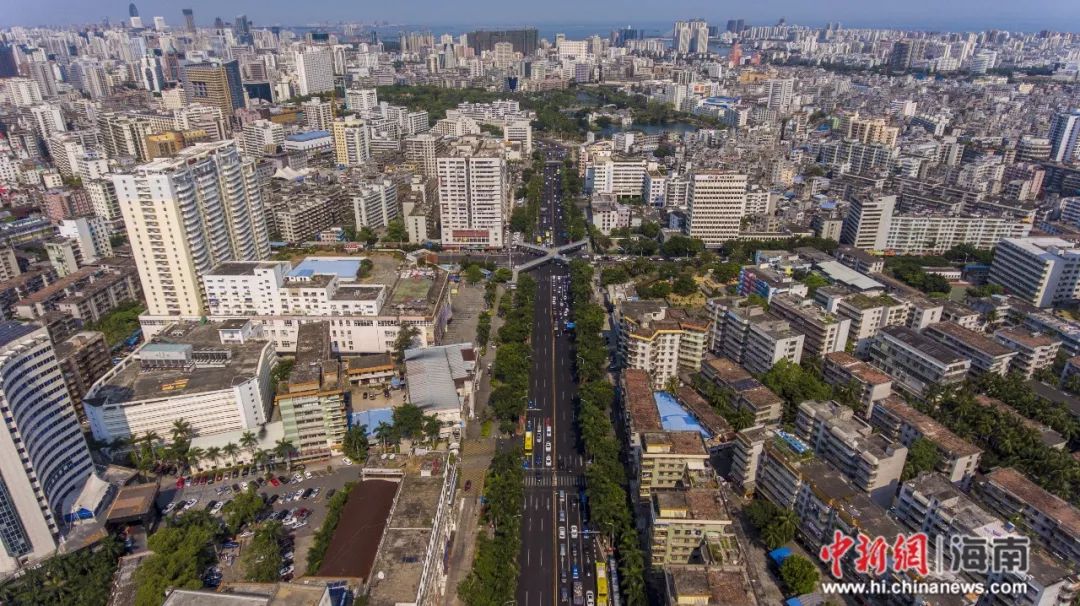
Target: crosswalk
x=561, y=480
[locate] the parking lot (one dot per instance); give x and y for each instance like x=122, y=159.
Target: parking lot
x=326, y=476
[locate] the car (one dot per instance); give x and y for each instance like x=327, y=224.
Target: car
x=283, y=479
x=281, y=515
x=287, y=570
x=274, y=482
x=308, y=475
x=287, y=556
x=346, y=461
x=273, y=499
x=468, y=484
x=547, y=446
x=590, y=599
x=562, y=533
x=547, y=460
x=307, y=493
x=573, y=532
x=562, y=515
x=210, y=504
x=236, y=487
x=244, y=485
x=300, y=525
x=574, y=572
x=316, y=492
x=179, y=482
x=168, y=508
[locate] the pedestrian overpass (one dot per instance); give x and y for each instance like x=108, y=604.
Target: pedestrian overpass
x=555, y=253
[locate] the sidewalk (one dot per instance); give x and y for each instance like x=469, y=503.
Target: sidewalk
x=476, y=455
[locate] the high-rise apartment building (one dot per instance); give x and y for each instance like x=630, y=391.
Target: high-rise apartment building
x=375, y=204
x=314, y=70
x=361, y=99
x=318, y=114
x=1065, y=136
x=691, y=37
x=186, y=214
x=781, y=92
x=263, y=137
x=1041, y=271
x=216, y=84
x=473, y=195
x=46, y=473
x=716, y=202
x=866, y=224
x=423, y=152
x=189, y=19
x=352, y=142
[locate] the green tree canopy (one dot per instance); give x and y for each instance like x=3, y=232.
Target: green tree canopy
x=799, y=574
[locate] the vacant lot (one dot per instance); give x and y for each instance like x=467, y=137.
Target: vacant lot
x=356, y=541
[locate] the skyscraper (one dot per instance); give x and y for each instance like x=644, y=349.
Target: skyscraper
x=904, y=53
x=46, y=473
x=186, y=214
x=242, y=29
x=781, y=92
x=867, y=222
x=216, y=84
x=1065, y=136
x=352, y=145
x=473, y=196
x=314, y=71
x=189, y=19
x=716, y=202
x=133, y=11
x=691, y=37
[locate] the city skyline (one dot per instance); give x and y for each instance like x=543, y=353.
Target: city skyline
x=1057, y=15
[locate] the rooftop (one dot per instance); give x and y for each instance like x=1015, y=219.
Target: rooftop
x=639, y=401
x=345, y=268
x=686, y=443
x=132, y=383
x=433, y=373
x=929, y=428
x=10, y=331
x=308, y=136
x=1026, y=338
x=970, y=338
x=926, y=346
x=699, y=503
x=1030, y=494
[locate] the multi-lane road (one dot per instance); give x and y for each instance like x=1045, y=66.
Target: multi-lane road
x=557, y=551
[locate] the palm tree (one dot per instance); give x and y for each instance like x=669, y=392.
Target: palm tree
x=432, y=428
x=231, y=450
x=284, y=448
x=384, y=431
x=249, y=440
x=195, y=455
x=214, y=454
x=261, y=457
x=181, y=431
x=152, y=439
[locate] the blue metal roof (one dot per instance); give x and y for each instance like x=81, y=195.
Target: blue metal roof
x=673, y=417
x=308, y=136
x=345, y=268
x=371, y=418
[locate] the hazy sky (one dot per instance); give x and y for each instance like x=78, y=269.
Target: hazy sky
x=924, y=14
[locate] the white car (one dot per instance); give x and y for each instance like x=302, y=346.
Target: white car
x=589, y=598
x=547, y=446
x=168, y=508
x=562, y=533
x=346, y=461
x=547, y=460
x=217, y=508
x=308, y=475
x=573, y=532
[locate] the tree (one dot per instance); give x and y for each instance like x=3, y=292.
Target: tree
x=613, y=275
x=432, y=428
x=408, y=421
x=181, y=553
x=249, y=440
x=396, y=232
x=799, y=574
x=367, y=236
x=385, y=433
x=214, y=454
x=284, y=448
x=684, y=285
x=781, y=529
x=181, y=431
x=795, y=385
x=923, y=455
x=682, y=246
x=262, y=558
x=355, y=445
x=405, y=337
x=231, y=450
x=243, y=509
x=814, y=281
x=473, y=274
x=503, y=275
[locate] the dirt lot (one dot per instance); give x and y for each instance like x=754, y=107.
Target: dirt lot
x=355, y=543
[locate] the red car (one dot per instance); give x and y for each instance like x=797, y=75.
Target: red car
x=274, y=482
x=179, y=482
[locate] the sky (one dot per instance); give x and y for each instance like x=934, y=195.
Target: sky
x=1028, y=15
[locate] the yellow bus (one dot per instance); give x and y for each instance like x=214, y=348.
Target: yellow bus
x=528, y=443
x=601, y=584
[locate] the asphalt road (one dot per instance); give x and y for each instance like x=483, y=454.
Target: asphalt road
x=555, y=539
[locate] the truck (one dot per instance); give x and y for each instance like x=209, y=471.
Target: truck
x=579, y=594
x=601, y=584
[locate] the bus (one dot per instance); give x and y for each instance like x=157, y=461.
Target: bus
x=601, y=584
x=528, y=443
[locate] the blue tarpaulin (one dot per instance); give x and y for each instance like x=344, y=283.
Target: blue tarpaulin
x=673, y=417
x=780, y=554
x=371, y=418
